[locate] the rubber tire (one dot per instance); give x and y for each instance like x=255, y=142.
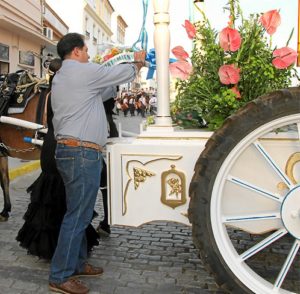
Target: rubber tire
x=253, y=115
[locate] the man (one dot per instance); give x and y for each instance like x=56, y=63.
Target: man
x=80, y=128
x=143, y=104
x=153, y=104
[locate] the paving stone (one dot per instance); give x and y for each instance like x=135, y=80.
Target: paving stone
x=157, y=257
x=126, y=290
x=29, y=286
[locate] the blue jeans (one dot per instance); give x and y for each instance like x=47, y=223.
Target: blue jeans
x=80, y=169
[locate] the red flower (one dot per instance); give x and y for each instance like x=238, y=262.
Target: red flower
x=270, y=21
x=284, y=57
x=190, y=29
x=229, y=74
x=230, y=39
x=107, y=57
x=236, y=91
x=181, y=69
x=180, y=53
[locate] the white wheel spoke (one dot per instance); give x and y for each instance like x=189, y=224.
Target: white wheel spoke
x=254, y=204
x=251, y=217
x=254, y=188
x=263, y=244
x=298, y=128
x=288, y=262
x=273, y=164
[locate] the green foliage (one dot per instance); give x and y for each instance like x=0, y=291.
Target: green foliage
x=205, y=94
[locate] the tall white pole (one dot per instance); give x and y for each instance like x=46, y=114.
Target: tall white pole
x=162, y=48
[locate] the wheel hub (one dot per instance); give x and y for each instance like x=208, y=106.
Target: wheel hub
x=290, y=212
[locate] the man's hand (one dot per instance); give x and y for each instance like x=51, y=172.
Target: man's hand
x=139, y=59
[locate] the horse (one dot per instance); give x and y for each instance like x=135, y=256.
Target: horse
x=22, y=96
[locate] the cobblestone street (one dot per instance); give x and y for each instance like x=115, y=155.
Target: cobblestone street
x=158, y=257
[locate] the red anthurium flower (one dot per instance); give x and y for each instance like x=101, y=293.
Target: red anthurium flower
x=229, y=74
x=181, y=69
x=236, y=91
x=230, y=39
x=180, y=53
x=270, y=21
x=284, y=57
x=190, y=29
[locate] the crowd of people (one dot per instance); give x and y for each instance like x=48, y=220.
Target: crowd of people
x=141, y=102
x=58, y=219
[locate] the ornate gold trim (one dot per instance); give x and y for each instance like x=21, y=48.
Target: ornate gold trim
x=20, y=99
x=164, y=157
x=140, y=175
x=178, y=187
x=289, y=170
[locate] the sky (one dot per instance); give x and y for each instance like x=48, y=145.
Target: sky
x=180, y=10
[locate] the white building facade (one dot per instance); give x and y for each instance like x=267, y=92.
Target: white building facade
x=91, y=18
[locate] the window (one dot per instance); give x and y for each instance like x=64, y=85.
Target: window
x=94, y=34
x=87, y=33
x=26, y=58
x=4, y=52
x=4, y=67
x=98, y=36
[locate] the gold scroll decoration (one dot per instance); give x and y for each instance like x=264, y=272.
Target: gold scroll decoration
x=131, y=178
x=289, y=170
x=173, y=187
x=140, y=175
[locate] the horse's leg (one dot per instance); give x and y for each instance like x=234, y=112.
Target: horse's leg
x=4, y=180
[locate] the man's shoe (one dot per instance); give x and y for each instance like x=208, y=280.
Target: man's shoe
x=71, y=286
x=89, y=271
x=103, y=230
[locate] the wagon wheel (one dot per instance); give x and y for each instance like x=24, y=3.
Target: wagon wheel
x=245, y=200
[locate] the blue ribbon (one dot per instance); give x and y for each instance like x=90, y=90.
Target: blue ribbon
x=143, y=37
x=150, y=58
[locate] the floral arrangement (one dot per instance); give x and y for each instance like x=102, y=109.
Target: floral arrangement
x=108, y=51
x=230, y=67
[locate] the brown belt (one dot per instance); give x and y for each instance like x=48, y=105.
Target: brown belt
x=78, y=143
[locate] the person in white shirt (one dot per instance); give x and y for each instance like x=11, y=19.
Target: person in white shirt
x=153, y=104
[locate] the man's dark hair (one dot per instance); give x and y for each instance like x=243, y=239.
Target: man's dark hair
x=54, y=66
x=68, y=42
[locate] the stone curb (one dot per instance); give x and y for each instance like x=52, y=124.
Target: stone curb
x=23, y=169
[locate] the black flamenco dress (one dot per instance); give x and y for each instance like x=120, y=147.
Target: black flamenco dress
x=47, y=207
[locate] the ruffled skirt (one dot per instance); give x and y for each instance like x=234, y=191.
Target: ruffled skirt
x=44, y=216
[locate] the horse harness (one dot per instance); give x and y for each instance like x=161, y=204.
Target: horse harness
x=16, y=90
